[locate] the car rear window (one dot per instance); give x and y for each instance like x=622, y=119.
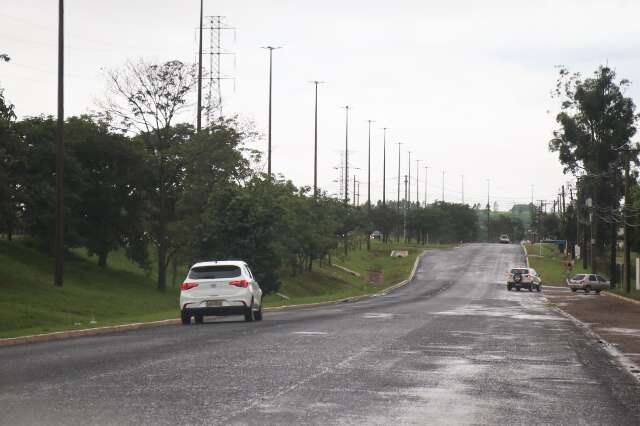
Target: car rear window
x=214, y=271
x=519, y=271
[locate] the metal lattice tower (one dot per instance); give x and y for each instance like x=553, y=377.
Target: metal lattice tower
x=215, y=74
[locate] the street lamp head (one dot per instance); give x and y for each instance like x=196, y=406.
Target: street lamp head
x=271, y=47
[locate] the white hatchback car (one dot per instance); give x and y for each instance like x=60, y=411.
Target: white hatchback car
x=220, y=288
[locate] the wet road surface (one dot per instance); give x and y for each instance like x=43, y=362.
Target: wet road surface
x=452, y=347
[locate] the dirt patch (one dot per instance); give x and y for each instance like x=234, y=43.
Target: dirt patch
x=614, y=319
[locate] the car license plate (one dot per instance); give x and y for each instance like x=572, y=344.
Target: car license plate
x=214, y=303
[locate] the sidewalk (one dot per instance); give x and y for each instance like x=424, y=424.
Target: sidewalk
x=612, y=318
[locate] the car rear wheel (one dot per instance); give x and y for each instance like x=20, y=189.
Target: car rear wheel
x=186, y=318
x=517, y=288
x=258, y=314
x=530, y=287
x=573, y=289
x=509, y=287
x=249, y=314
x=598, y=291
x=199, y=319
x=539, y=289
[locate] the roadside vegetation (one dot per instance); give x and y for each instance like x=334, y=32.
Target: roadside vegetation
x=552, y=264
x=122, y=292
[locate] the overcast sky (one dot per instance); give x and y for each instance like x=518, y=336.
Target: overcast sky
x=464, y=85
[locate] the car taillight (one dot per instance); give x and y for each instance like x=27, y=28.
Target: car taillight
x=239, y=283
x=187, y=286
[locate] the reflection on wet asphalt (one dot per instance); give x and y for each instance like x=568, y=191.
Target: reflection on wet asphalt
x=452, y=347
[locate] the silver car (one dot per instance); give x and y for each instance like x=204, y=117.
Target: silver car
x=524, y=277
x=588, y=282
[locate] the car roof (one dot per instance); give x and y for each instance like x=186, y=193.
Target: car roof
x=220, y=262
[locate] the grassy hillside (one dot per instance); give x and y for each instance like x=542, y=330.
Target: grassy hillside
x=30, y=303
x=122, y=292
x=331, y=283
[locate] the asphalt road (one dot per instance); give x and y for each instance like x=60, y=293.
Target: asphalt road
x=452, y=347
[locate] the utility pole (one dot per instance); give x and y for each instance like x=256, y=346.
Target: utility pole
x=271, y=49
x=399, y=145
x=354, y=190
x=408, y=197
x=488, y=209
x=418, y=182
x=426, y=182
x=462, y=178
x=346, y=155
x=564, y=209
x=443, y=186
x=406, y=206
x=199, y=105
x=369, y=169
x=625, y=216
x=384, y=166
x=315, y=144
x=542, y=204
x=58, y=277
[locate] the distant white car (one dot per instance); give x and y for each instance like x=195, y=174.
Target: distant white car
x=523, y=277
x=588, y=282
x=504, y=239
x=220, y=288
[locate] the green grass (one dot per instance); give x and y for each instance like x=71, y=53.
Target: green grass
x=123, y=292
x=30, y=304
x=329, y=283
x=551, y=266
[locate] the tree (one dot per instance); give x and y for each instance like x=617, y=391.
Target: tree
x=4, y=57
x=111, y=204
x=12, y=157
x=148, y=98
x=36, y=182
x=596, y=124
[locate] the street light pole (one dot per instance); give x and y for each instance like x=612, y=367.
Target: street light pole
x=398, y=206
x=418, y=182
x=369, y=169
x=315, y=144
x=59, y=243
x=384, y=166
x=346, y=155
x=426, y=183
x=488, y=208
x=409, y=181
x=271, y=49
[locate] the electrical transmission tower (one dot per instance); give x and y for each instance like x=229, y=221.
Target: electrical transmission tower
x=215, y=74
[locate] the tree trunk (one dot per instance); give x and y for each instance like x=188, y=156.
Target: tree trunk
x=175, y=270
x=162, y=234
x=102, y=258
x=613, y=253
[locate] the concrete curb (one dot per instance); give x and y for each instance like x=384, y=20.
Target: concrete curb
x=354, y=298
x=347, y=270
x=626, y=299
x=59, y=335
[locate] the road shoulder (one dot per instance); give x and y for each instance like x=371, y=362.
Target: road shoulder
x=612, y=322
